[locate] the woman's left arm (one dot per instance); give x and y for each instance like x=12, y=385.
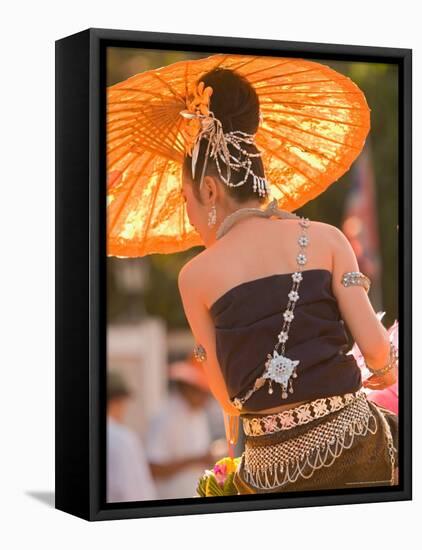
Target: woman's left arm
x=202, y=328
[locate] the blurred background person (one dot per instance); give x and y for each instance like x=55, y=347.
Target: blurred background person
x=128, y=474
x=178, y=439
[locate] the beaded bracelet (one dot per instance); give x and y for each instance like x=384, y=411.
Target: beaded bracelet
x=392, y=362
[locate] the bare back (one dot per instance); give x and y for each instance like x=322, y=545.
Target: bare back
x=255, y=248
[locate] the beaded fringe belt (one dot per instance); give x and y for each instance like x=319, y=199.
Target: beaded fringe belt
x=272, y=465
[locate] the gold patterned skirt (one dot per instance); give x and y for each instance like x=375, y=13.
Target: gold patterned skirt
x=342, y=441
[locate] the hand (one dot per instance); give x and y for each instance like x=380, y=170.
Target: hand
x=376, y=382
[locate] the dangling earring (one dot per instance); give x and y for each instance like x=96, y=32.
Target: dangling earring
x=212, y=216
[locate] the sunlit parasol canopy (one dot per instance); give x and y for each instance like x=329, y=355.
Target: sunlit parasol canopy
x=315, y=122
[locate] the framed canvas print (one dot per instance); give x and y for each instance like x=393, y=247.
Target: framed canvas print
x=233, y=274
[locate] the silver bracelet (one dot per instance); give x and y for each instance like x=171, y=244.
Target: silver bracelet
x=392, y=362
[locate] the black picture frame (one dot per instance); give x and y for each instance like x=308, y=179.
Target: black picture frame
x=80, y=272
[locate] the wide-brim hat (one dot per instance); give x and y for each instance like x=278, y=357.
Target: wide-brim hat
x=314, y=124
x=189, y=372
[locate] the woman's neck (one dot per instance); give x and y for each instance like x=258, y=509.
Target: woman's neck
x=233, y=206
x=247, y=216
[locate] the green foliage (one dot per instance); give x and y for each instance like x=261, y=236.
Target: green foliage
x=209, y=487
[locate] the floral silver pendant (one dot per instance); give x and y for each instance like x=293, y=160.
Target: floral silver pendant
x=280, y=369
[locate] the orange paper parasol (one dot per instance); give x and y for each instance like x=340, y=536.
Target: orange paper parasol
x=315, y=122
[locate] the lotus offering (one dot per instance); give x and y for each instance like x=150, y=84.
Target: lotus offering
x=219, y=480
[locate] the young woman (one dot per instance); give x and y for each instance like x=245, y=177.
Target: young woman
x=266, y=301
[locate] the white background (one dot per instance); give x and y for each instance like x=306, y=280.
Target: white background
x=28, y=32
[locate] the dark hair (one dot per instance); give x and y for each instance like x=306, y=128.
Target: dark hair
x=116, y=386
x=235, y=103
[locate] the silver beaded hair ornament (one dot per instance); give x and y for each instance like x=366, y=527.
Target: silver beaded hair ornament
x=212, y=130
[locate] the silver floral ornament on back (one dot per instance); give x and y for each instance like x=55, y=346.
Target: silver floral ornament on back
x=279, y=369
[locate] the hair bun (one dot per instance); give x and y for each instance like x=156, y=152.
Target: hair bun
x=234, y=101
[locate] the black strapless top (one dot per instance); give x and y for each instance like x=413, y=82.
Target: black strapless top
x=247, y=320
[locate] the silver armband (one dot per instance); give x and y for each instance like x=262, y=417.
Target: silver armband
x=352, y=278
x=199, y=353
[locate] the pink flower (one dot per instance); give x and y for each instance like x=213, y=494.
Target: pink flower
x=393, y=332
x=220, y=472
x=388, y=397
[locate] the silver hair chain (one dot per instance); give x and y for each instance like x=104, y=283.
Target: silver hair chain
x=212, y=130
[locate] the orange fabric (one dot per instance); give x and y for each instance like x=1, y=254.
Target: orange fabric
x=315, y=124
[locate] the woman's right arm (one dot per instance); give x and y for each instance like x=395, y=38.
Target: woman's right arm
x=203, y=330
x=355, y=307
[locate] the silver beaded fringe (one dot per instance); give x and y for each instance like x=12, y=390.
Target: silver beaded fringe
x=271, y=466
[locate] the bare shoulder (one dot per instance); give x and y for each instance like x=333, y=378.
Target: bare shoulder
x=340, y=248
x=320, y=228
x=191, y=273
x=322, y=233
x=328, y=233
x=323, y=228
x=334, y=236
x=331, y=243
